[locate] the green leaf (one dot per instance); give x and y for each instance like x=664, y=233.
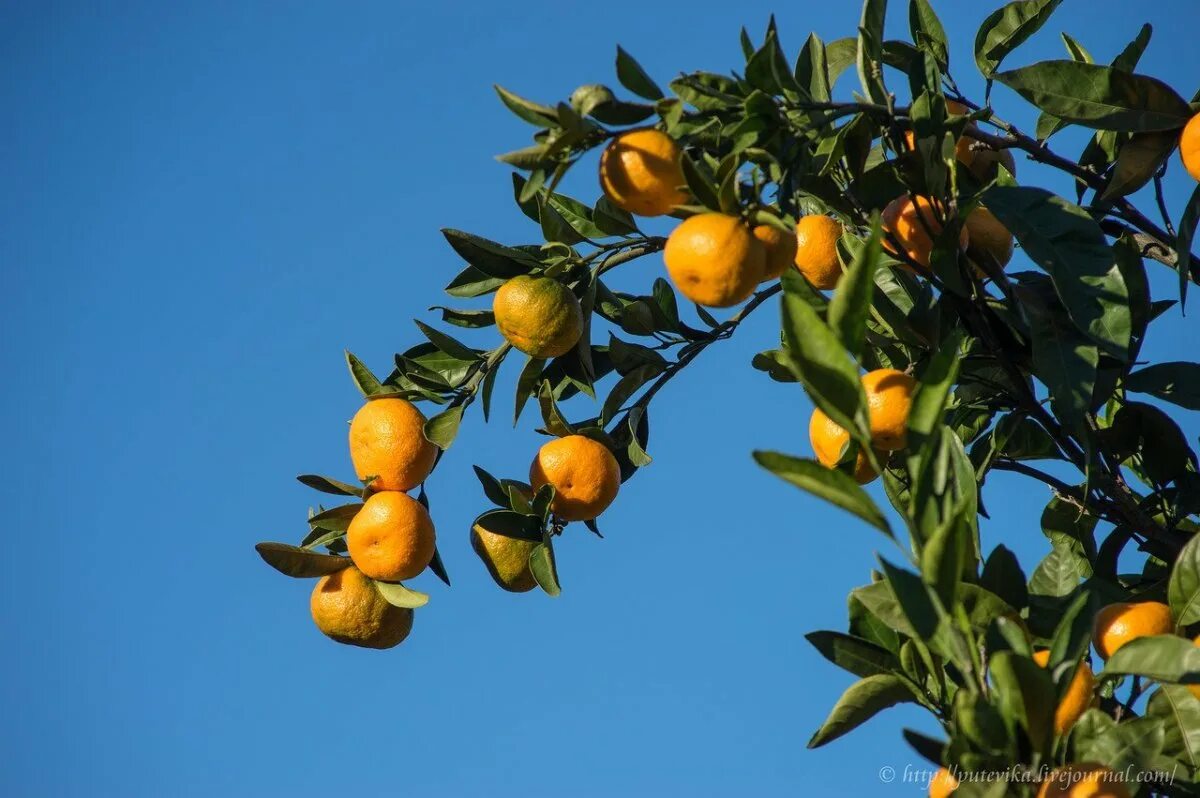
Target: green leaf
x=942, y=558
x=494, y=260
x=913, y=598
x=861, y=702
x=812, y=69
x=555, y=422
x=1179, y=711
x=298, y=562
x=543, y=568
x=330, y=485
x=820, y=361
x=398, y=595
x=1058, y=574
x=336, y=519
x=471, y=282
x=531, y=112
x=927, y=31
x=491, y=487
x=1026, y=693
x=1183, y=590
x=471, y=319
x=527, y=384
x=364, y=380
x=1137, y=162
x=1183, y=244
x=870, y=50
x=767, y=69
x=1069, y=245
x=1129, y=747
x=1163, y=658
x=832, y=485
x=446, y=343
x=633, y=77
x=1002, y=575
x=1006, y=28
x=851, y=304
x=1127, y=59
x=925, y=418
x=442, y=428
x=1099, y=97
x=1176, y=382
x=511, y=524
x=700, y=184
x=854, y=654
x=1064, y=360
x=840, y=54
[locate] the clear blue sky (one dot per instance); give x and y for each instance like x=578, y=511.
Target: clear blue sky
x=203, y=205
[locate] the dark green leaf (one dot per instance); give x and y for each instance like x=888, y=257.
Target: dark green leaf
x=1137, y=161
x=927, y=31
x=330, y=485
x=447, y=344
x=1179, y=711
x=851, y=304
x=527, y=384
x=442, y=428
x=865, y=699
x=531, y=112
x=1163, y=658
x=633, y=77
x=466, y=318
x=511, y=524
x=1099, y=97
x=545, y=572
x=1176, y=382
x=1003, y=576
x=1068, y=244
x=1006, y=28
x=1183, y=591
x=364, y=380
x=832, y=485
x=494, y=260
x=298, y=562
x=870, y=50
x=853, y=654
x=914, y=599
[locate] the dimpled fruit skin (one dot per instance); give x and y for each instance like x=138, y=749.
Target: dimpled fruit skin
x=816, y=250
x=1117, y=624
x=1078, y=697
x=901, y=219
x=988, y=239
x=780, y=248
x=640, y=172
x=714, y=259
x=584, y=473
x=1189, y=147
x=943, y=784
x=507, y=559
x=828, y=438
x=346, y=607
x=889, y=400
x=538, y=315
x=387, y=441
x=391, y=538
x=1085, y=780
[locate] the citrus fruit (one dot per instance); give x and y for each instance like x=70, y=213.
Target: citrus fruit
x=1077, y=698
x=391, y=538
x=779, y=247
x=915, y=227
x=816, y=250
x=828, y=439
x=640, y=172
x=989, y=242
x=714, y=259
x=387, y=442
x=1189, y=147
x=506, y=558
x=1117, y=624
x=943, y=784
x=538, y=315
x=347, y=607
x=1084, y=780
x=889, y=400
x=584, y=473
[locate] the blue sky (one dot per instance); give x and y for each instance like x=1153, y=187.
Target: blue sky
x=204, y=204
